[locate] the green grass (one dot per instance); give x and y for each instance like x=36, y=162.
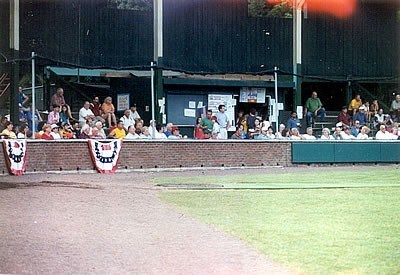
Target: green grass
x=318, y=231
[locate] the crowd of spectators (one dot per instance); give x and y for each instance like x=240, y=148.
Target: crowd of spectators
x=98, y=121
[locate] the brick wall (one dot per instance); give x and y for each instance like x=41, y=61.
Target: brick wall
x=45, y=156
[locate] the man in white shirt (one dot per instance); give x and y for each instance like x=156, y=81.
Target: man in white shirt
x=85, y=113
x=309, y=134
x=223, y=122
x=126, y=118
x=133, y=114
x=382, y=134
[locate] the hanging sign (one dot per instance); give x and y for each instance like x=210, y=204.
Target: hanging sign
x=15, y=153
x=252, y=95
x=105, y=155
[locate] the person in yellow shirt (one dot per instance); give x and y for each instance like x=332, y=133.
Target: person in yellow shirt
x=7, y=132
x=355, y=104
x=118, y=132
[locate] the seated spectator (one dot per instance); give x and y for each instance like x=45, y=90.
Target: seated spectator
x=76, y=130
x=238, y=133
x=282, y=133
x=54, y=116
x=95, y=133
x=38, y=134
x=344, y=117
x=65, y=131
x=355, y=128
x=270, y=133
x=392, y=119
x=293, y=121
x=263, y=134
x=373, y=108
x=382, y=134
x=326, y=134
x=145, y=133
x=127, y=120
x=139, y=128
x=8, y=133
x=96, y=110
x=367, y=110
x=65, y=114
x=160, y=133
x=85, y=114
x=17, y=131
x=132, y=133
x=256, y=130
x=309, y=134
x=55, y=131
x=134, y=115
x=25, y=131
x=168, y=129
x=47, y=132
x=175, y=133
x=118, y=132
x=215, y=133
x=380, y=119
x=99, y=126
x=337, y=135
x=355, y=104
x=22, y=115
x=395, y=133
x=295, y=134
x=363, y=135
x=265, y=122
x=395, y=106
x=30, y=117
x=3, y=122
x=107, y=111
x=361, y=116
x=85, y=132
x=346, y=135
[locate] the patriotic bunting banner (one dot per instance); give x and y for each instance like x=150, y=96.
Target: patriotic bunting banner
x=105, y=155
x=15, y=153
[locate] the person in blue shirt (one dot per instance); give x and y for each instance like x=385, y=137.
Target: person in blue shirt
x=22, y=98
x=361, y=116
x=293, y=121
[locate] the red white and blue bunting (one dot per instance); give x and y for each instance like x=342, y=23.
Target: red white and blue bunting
x=105, y=155
x=15, y=153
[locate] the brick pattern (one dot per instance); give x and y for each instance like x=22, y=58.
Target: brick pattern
x=43, y=156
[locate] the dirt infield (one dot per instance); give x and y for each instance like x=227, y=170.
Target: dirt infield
x=92, y=223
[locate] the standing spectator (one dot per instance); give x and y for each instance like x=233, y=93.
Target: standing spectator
x=395, y=106
x=85, y=113
x=293, y=121
x=223, y=121
x=65, y=114
x=251, y=120
x=57, y=98
x=355, y=104
x=22, y=98
x=107, y=111
x=29, y=118
x=361, y=116
x=313, y=108
x=54, y=116
x=126, y=118
x=134, y=115
x=344, y=117
x=198, y=131
x=206, y=123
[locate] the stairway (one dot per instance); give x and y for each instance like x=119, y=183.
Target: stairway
x=4, y=94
